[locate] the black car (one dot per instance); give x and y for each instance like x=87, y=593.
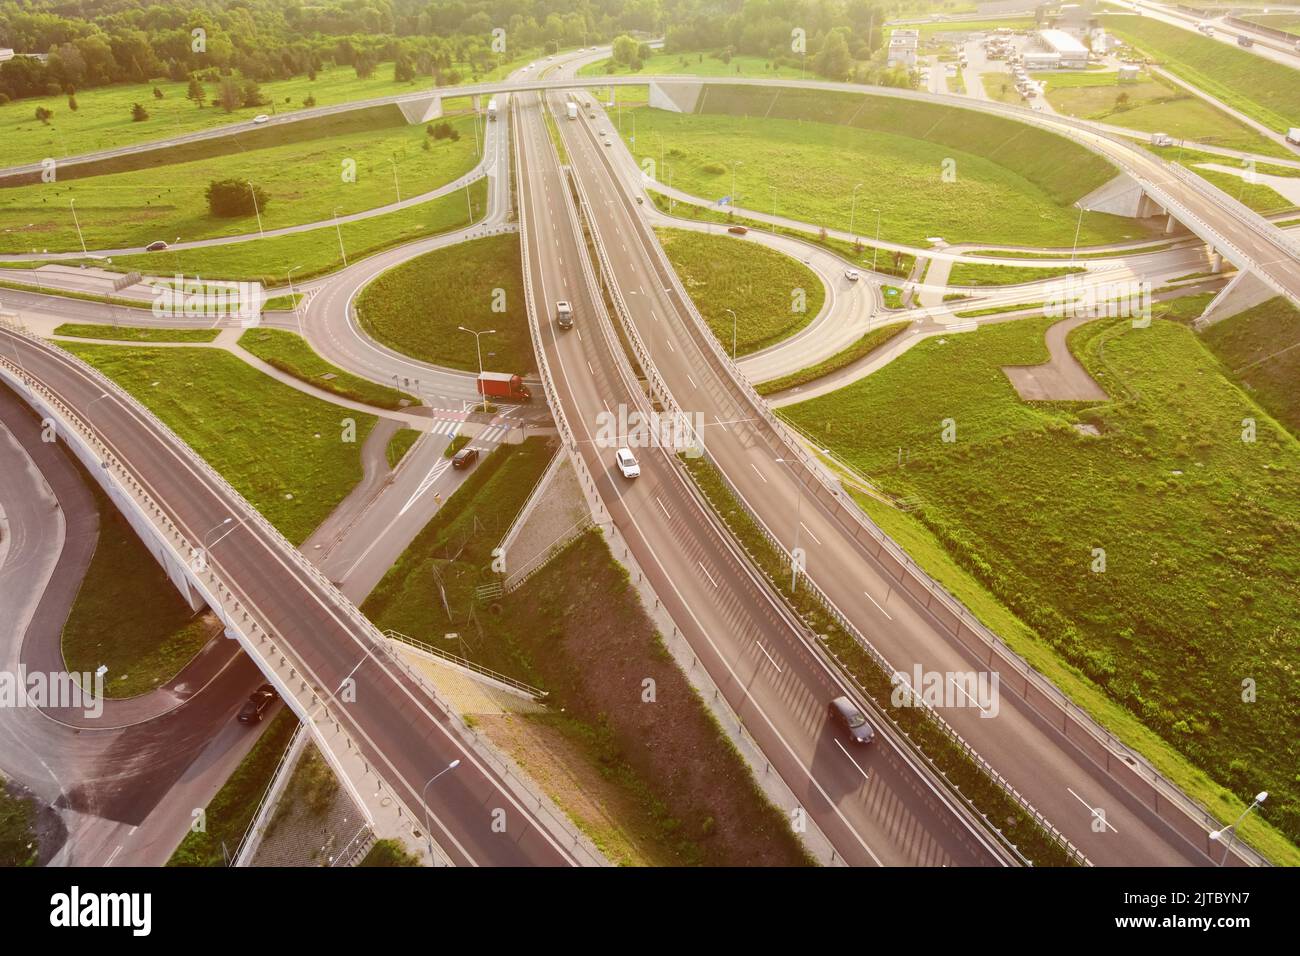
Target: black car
x=464, y=458
x=156, y=246
x=255, y=707
x=846, y=713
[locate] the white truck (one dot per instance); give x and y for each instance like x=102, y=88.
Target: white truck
x=1293, y=135
x=492, y=109
x=573, y=110
x=1161, y=139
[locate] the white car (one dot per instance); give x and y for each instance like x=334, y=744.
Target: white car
x=627, y=463
x=260, y=118
x=851, y=274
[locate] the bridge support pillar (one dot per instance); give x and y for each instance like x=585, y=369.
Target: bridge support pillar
x=1216, y=261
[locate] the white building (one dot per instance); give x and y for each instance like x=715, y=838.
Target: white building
x=1041, y=61
x=6, y=54
x=1129, y=73
x=902, y=48
x=1073, y=54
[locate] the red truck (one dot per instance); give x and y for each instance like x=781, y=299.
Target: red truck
x=503, y=385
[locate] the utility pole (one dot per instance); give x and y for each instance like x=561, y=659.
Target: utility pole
x=339, y=231
x=479, y=350
x=72, y=204
x=253, y=192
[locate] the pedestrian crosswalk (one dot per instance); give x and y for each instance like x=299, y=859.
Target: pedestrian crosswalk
x=446, y=426
x=491, y=434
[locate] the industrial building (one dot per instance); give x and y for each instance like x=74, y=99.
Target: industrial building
x=902, y=48
x=1072, y=53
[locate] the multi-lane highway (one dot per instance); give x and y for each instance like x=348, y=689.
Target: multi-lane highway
x=1054, y=774
x=875, y=806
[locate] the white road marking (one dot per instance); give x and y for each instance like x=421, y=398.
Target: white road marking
x=757, y=472
x=662, y=508
x=706, y=573
x=768, y=656
x=809, y=530
x=1097, y=812
x=865, y=775
x=877, y=604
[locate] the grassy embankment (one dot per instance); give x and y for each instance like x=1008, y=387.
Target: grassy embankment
x=290, y=353
x=858, y=350
x=808, y=149
x=655, y=783
x=283, y=450
x=1198, y=582
x=772, y=295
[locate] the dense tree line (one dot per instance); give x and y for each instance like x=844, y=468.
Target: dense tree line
x=93, y=43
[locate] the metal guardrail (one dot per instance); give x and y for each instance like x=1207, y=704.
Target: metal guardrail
x=534, y=692
x=859, y=524
x=539, y=561
x=273, y=786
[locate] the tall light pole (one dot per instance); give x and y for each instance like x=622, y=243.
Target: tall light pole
x=478, y=348
x=397, y=188
x=339, y=230
x=798, y=524
x=733, y=182
x=733, y=333
x=1077, y=226
x=772, y=190
x=1231, y=831
x=428, y=835
x=853, y=208
x=72, y=204
x=253, y=192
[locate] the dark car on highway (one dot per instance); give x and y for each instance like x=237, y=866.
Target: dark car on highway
x=255, y=707
x=847, y=714
x=737, y=230
x=156, y=246
x=464, y=458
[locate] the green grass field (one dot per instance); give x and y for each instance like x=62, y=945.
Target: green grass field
x=128, y=616
x=773, y=295
x=349, y=168
x=1198, y=589
x=399, y=445
x=697, y=64
x=230, y=813
x=859, y=349
x=291, y=354
x=1152, y=105
x=103, y=121
x=416, y=307
x=316, y=251
x=1290, y=22
x=281, y=449
x=1260, y=348
x=982, y=274
x=1262, y=198
x=19, y=845
x=1266, y=91
x=125, y=333
x=808, y=149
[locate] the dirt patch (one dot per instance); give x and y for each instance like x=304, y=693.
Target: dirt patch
x=1061, y=379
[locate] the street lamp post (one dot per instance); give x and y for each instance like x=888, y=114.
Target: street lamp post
x=1077, y=226
x=478, y=349
x=733, y=182
x=253, y=192
x=1231, y=831
x=397, y=188
x=428, y=834
x=733, y=334
x=293, y=296
x=72, y=204
x=338, y=229
x=853, y=208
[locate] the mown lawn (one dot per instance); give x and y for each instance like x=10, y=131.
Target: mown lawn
x=128, y=616
x=773, y=295
x=283, y=450
x=291, y=354
x=349, y=168
x=127, y=333
x=231, y=811
x=103, y=120
x=859, y=349
x=1262, y=89
x=696, y=64
x=1150, y=104
x=1197, y=525
x=806, y=152
x=417, y=307
x=979, y=273
x=316, y=251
